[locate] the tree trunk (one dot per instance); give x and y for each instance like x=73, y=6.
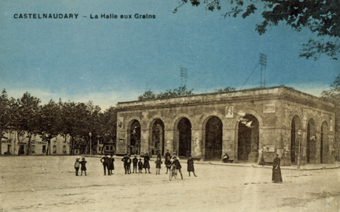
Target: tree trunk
x=0, y=141
x=29, y=144
x=48, y=146
x=17, y=140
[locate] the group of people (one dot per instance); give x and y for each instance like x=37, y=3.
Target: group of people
x=81, y=163
x=138, y=165
x=108, y=164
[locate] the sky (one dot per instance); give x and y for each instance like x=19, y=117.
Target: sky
x=116, y=60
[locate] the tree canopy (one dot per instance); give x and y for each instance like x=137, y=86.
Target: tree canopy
x=319, y=16
x=77, y=120
x=333, y=94
x=177, y=92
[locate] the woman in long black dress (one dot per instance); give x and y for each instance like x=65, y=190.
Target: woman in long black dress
x=276, y=176
x=191, y=168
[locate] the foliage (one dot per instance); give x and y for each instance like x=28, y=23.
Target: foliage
x=319, y=16
x=177, y=92
x=333, y=94
x=4, y=114
x=227, y=89
x=27, y=117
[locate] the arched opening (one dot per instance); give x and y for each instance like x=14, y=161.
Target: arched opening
x=184, y=137
x=213, y=138
x=135, y=135
x=295, y=126
x=248, y=139
x=311, y=142
x=323, y=141
x=157, y=137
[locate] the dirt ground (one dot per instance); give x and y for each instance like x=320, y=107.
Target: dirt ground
x=48, y=183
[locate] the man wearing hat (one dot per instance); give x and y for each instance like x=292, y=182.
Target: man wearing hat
x=105, y=162
x=135, y=162
x=126, y=159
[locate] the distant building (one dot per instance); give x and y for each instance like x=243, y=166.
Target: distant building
x=11, y=145
x=243, y=124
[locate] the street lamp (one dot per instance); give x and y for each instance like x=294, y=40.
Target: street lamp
x=299, y=157
x=90, y=134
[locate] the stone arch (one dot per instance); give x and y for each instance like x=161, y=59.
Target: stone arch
x=323, y=142
x=311, y=141
x=153, y=118
x=248, y=137
x=156, y=141
x=212, y=137
x=182, y=136
x=204, y=119
x=133, y=136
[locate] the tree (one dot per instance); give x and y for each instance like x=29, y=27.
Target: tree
x=50, y=122
x=177, y=92
x=333, y=94
x=107, y=127
x=319, y=16
x=28, y=119
x=227, y=89
x=93, y=113
x=4, y=115
x=147, y=95
x=74, y=122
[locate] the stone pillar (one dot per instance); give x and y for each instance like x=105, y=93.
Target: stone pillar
x=303, y=148
x=145, y=142
x=196, y=143
x=318, y=147
x=168, y=140
x=229, y=143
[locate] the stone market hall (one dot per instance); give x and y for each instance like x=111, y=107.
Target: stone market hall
x=243, y=124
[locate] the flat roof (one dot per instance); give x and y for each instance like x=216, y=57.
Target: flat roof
x=246, y=94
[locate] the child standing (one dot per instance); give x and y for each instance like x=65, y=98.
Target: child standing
x=191, y=168
x=134, y=162
x=158, y=166
x=140, y=166
x=76, y=166
x=83, y=166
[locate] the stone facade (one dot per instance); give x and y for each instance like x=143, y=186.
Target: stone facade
x=240, y=123
x=12, y=145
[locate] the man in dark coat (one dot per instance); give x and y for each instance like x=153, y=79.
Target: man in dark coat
x=129, y=164
x=191, y=168
x=167, y=154
x=125, y=160
x=105, y=162
x=135, y=162
x=159, y=155
x=225, y=158
x=276, y=176
x=146, y=163
x=111, y=166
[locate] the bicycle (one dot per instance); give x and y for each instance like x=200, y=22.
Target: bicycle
x=172, y=172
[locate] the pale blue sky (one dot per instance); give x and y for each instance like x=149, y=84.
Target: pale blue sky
x=117, y=60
